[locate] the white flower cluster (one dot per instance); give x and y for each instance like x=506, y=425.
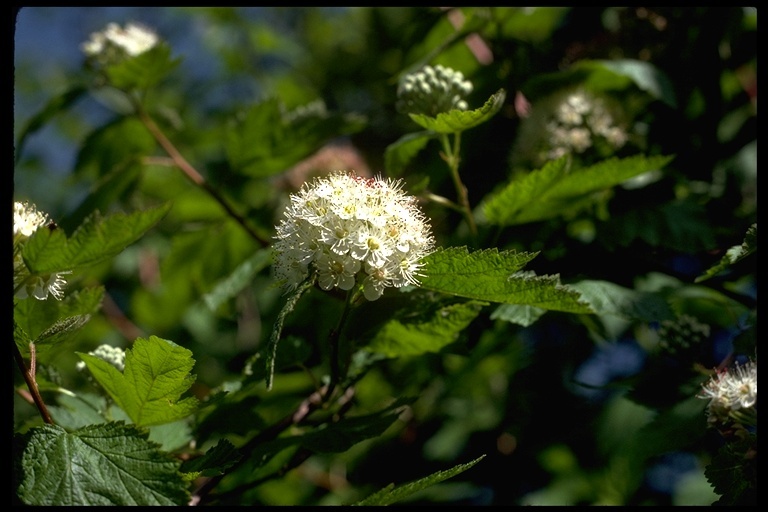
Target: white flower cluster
x=113, y=355
x=115, y=42
x=734, y=388
x=26, y=220
x=577, y=120
x=433, y=90
x=352, y=231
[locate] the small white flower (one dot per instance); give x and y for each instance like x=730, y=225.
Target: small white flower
x=351, y=231
x=116, y=42
x=732, y=389
x=113, y=355
x=26, y=220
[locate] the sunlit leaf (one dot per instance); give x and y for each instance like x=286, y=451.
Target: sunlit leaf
x=733, y=255
x=156, y=374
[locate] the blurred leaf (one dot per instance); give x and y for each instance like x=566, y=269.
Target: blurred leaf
x=112, y=145
x=529, y=24
x=555, y=189
x=608, y=298
x=456, y=121
x=672, y=430
x=520, y=314
x=144, y=70
x=490, y=275
x=391, y=494
x=426, y=331
x=733, y=255
x=681, y=225
x=265, y=140
x=106, y=464
x=155, y=376
x=55, y=105
x=230, y=286
x=403, y=150
x=97, y=239
x=644, y=75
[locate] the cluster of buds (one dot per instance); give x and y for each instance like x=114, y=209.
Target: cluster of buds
x=732, y=395
x=682, y=335
x=116, y=43
x=352, y=232
x=113, y=355
x=433, y=90
x=26, y=220
x=577, y=121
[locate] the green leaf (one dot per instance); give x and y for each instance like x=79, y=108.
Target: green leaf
x=392, y=494
x=111, y=145
x=425, y=331
x=608, y=298
x=403, y=150
x=105, y=464
x=266, y=140
x=680, y=225
x=644, y=75
x=277, y=329
x=155, y=376
x=61, y=330
x=733, y=472
x=144, y=70
x=493, y=276
x=55, y=105
x=554, y=189
x=733, y=255
x=238, y=279
x=456, y=121
x=215, y=461
x=94, y=241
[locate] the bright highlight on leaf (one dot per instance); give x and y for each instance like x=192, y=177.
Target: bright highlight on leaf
x=149, y=390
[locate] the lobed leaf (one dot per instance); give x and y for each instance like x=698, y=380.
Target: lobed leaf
x=156, y=375
x=554, y=189
x=105, y=464
x=493, y=276
x=455, y=121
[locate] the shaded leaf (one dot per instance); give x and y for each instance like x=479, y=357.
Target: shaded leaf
x=230, y=286
x=519, y=314
x=266, y=140
x=403, y=150
x=106, y=464
x=608, y=298
x=144, y=70
x=427, y=331
x=215, y=461
x=94, y=241
x=392, y=494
